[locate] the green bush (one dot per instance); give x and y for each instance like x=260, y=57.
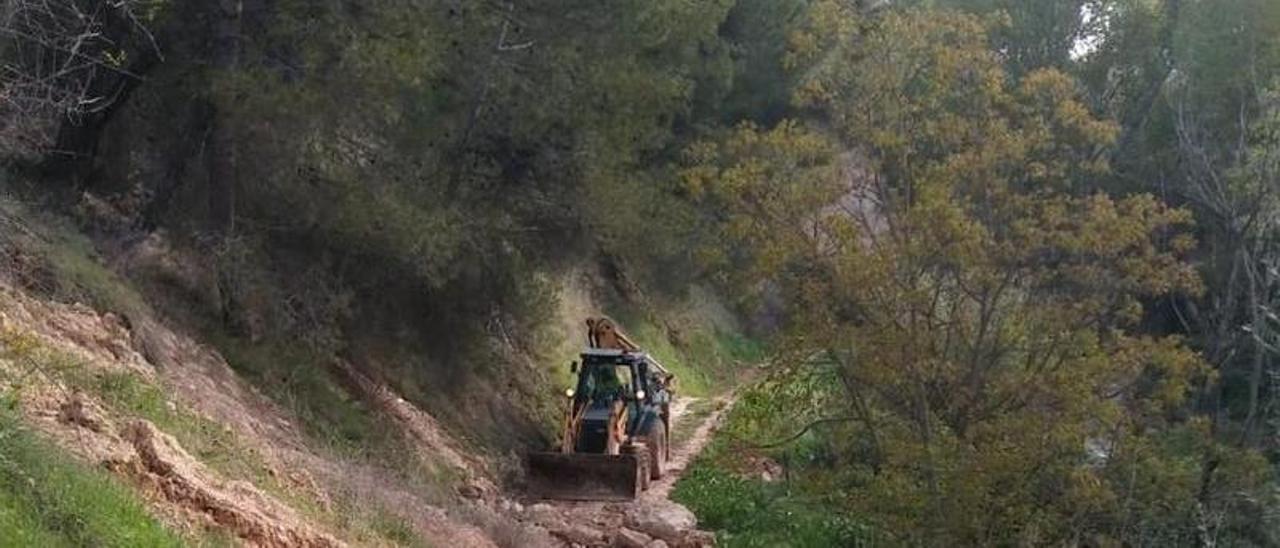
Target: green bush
x=47, y=499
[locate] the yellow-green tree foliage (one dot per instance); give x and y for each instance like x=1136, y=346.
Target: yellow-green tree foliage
x=981, y=306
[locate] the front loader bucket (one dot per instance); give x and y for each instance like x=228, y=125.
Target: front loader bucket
x=584, y=476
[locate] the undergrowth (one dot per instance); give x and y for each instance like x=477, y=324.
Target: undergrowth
x=726, y=488
x=751, y=513
x=338, y=422
x=48, y=254
x=707, y=360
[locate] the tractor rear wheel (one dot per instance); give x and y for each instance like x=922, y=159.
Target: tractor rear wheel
x=657, y=449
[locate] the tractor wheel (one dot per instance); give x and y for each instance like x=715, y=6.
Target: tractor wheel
x=657, y=449
x=645, y=475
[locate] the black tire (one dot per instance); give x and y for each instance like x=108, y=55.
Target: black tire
x=645, y=474
x=657, y=449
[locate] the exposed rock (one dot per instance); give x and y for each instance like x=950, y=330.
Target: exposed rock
x=510, y=506
x=664, y=520
x=101, y=340
x=580, y=534
x=626, y=538
x=445, y=531
x=81, y=411
x=470, y=491
x=543, y=513
x=658, y=544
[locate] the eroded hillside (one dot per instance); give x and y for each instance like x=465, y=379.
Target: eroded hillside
x=217, y=458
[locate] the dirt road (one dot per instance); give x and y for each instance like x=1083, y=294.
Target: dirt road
x=690, y=448
x=652, y=520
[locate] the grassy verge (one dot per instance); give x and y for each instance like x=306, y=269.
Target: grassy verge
x=751, y=513
x=724, y=487
x=707, y=361
x=47, y=499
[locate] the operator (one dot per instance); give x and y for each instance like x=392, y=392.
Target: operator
x=605, y=381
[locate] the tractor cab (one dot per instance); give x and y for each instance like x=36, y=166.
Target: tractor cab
x=607, y=377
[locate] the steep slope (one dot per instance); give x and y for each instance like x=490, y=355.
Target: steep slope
x=87, y=380
x=131, y=399
x=214, y=454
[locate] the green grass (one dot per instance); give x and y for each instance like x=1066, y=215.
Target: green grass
x=707, y=364
x=748, y=513
x=724, y=489
x=369, y=523
x=127, y=394
x=48, y=499
x=69, y=269
x=74, y=268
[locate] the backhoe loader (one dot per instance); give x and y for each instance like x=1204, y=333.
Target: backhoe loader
x=616, y=424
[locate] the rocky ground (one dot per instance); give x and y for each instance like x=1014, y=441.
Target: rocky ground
x=652, y=521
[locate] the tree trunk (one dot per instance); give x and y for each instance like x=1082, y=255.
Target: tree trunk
x=220, y=154
x=1136, y=119
x=78, y=136
x=1258, y=284
x=192, y=135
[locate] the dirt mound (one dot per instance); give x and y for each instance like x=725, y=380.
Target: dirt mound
x=241, y=508
x=103, y=339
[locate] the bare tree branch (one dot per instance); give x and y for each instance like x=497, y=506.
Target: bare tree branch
x=52, y=52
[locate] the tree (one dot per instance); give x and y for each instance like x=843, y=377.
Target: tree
x=1034, y=35
x=221, y=153
x=67, y=67
x=980, y=301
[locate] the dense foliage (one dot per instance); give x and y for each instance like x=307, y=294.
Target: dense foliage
x=1018, y=256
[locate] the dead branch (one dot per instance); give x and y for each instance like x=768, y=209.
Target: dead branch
x=52, y=52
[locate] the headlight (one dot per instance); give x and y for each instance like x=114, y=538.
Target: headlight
x=639, y=394
x=568, y=393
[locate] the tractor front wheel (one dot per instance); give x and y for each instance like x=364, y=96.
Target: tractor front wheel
x=657, y=449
